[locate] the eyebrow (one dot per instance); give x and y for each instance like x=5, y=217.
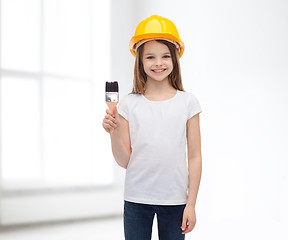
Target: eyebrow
x=153, y=53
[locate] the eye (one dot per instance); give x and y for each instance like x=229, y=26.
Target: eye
x=150, y=57
x=166, y=56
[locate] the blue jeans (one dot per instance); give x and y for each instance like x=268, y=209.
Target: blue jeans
x=138, y=221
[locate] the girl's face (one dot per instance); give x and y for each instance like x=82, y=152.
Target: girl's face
x=157, y=61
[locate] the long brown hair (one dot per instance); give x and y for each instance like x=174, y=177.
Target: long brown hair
x=140, y=77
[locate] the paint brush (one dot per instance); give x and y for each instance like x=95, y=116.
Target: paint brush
x=112, y=95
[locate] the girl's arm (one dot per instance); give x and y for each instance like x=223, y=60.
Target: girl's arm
x=195, y=170
x=194, y=158
x=120, y=142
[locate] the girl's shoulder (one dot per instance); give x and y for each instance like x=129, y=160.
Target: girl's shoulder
x=128, y=95
x=129, y=98
x=190, y=98
x=187, y=94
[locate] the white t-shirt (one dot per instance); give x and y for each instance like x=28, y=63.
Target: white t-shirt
x=157, y=172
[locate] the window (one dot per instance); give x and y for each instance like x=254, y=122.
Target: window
x=51, y=134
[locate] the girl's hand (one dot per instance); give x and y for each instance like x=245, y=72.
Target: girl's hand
x=111, y=122
x=189, y=219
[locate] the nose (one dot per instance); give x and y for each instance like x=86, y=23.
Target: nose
x=158, y=62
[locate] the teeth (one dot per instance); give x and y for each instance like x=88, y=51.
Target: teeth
x=159, y=70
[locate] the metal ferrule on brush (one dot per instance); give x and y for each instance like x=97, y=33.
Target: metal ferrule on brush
x=112, y=97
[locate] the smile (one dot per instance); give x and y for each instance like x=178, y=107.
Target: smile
x=159, y=70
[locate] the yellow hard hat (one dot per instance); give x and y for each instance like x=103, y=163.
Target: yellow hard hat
x=156, y=27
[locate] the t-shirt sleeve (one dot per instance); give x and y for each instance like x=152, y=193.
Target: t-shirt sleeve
x=193, y=106
x=122, y=107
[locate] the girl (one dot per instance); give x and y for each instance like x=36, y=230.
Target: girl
x=151, y=128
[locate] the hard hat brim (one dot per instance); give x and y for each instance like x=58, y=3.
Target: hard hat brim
x=150, y=36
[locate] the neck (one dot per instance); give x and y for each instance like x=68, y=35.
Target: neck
x=158, y=87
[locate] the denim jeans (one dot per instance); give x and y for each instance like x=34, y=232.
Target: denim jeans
x=138, y=221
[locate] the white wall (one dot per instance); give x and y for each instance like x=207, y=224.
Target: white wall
x=122, y=29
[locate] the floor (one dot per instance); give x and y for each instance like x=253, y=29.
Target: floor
x=112, y=229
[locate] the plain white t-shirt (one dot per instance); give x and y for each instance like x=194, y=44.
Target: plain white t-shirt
x=157, y=172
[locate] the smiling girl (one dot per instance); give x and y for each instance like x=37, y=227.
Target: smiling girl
x=152, y=126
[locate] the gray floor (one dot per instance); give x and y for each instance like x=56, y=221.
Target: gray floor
x=112, y=229
x=106, y=229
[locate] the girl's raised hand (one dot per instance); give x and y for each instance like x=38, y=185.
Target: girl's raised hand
x=111, y=122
